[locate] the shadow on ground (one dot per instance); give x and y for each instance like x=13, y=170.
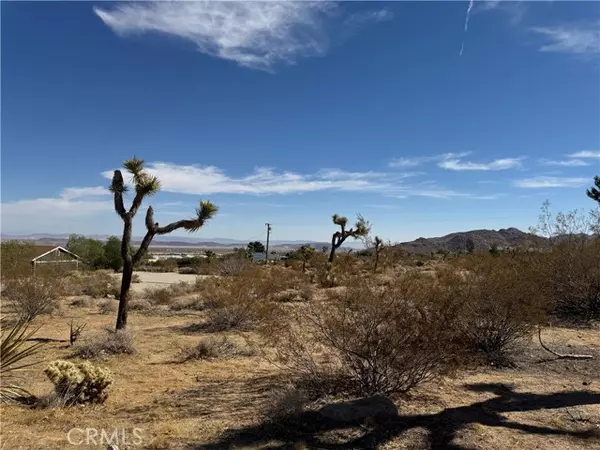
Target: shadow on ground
x=316, y=431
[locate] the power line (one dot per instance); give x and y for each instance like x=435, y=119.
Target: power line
x=267, y=249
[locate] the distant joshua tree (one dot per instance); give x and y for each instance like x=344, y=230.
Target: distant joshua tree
x=361, y=229
x=378, y=247
x=594, y=192
x=144, y=185
x=306, y=252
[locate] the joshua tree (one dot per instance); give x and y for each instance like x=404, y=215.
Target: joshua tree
x=144, y=185
x=306, y=252
x=361, y=229
x=594, y=192
x=378, y=247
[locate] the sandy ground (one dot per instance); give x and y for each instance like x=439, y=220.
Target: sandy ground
x=542, y=404
x=154, y=280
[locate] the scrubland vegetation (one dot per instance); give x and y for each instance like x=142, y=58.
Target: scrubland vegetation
x=377, y=349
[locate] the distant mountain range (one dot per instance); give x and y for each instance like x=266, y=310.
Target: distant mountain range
x=483, y=240
x=454, y=242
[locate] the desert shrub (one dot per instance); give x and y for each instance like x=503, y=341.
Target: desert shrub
x=210, y=348
x=285, y=404
x=237, y=302
x=82, y=302
x=572, y=262
x=285, y=284
x=139, y=305
x=197, y=303
x=574, y=279
x=29, y=297
x=232, y=265
x=368, y=339
x=79, y=383
x=109, y=343
x=108, y=307
x=135, y=278
x=98, y=284
x=15, y=257
x=164, y=296
x=503, y=298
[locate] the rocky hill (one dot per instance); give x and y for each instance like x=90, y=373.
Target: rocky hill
x=483, y=240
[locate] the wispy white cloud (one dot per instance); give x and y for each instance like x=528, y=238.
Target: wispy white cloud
x=81, y=192
x=565, y=162
x=71, y=203
x=585, y=154
x=205, y=180
x=414, y=161
x=550, y=182
x=467, y=16
x=575, y=39
x=208, y=180
x=497, y=164
x=39, y=208
x=365, y=17
x=257, y=35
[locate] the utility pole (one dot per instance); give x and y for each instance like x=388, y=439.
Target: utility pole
x=267, y=248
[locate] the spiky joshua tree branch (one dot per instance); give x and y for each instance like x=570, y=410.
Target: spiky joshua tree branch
x=594, y=191
x=145, y=185
x=361, y=229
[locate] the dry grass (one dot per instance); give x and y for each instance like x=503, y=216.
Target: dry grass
x=223, y=402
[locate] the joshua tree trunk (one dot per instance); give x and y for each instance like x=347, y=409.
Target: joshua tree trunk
x=127, y=273
x=334, y=247
x=124, y=296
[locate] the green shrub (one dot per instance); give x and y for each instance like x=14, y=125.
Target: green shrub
x=80, y=383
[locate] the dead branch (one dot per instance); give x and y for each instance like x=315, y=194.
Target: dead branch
x=560, y=355
x=75, y=332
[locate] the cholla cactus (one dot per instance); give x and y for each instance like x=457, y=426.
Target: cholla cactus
x=79, y=383
x=361, y=229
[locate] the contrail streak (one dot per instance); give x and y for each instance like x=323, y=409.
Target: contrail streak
x=462, y=47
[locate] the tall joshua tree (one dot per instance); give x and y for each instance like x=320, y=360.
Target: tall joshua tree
x=594, y=192
x=144, y=185
x=361, y=229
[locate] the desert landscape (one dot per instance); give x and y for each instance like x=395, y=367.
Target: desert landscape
x=257, y=356
x=300, y=225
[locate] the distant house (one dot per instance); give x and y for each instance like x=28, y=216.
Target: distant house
x=56, y=258
x=260, y=257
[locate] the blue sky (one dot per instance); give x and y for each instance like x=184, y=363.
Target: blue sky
x=289, y=112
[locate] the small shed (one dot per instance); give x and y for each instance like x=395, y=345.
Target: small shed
x=58, y=257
